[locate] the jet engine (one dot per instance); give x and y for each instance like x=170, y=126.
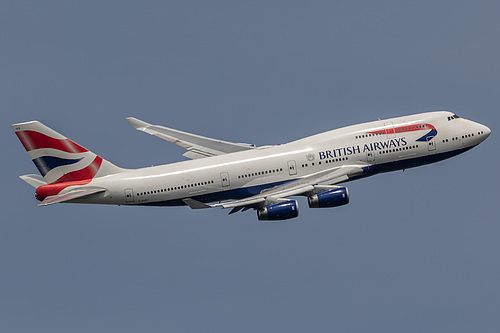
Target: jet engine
x=279, y=211
x=331, y=198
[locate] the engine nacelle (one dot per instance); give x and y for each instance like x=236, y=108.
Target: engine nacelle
x=331, y=198
x=279, y=211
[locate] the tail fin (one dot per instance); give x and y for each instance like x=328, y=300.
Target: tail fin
x=59, y=159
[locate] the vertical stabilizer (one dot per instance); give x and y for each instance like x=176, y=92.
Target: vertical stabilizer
x=59, y=159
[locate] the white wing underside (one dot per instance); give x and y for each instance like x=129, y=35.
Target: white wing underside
x=308, y=185
x=197, y=146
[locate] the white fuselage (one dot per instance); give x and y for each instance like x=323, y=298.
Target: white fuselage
x=377, y=146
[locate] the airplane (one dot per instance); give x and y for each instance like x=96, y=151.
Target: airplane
x=241, y=176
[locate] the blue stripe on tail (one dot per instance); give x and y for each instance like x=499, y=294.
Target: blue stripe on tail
x=46, y=163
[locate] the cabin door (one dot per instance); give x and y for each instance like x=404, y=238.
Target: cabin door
x=129, y=195
x=292, y=168
x=431, y=145
x=224, y=177
x=370, y=156
x=389, y=130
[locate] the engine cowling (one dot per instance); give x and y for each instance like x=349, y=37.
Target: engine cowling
x=331, y=198
x=279, y=211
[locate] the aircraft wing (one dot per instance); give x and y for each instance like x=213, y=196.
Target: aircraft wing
x=197, y=146
x=71, y=195
x=309, y=185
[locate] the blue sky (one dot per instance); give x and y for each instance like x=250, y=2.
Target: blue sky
x=414, y=251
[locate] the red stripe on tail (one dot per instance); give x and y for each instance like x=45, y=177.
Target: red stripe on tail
x=36, y=140
x=53, y=189
x=88, y=172
x=80, y=177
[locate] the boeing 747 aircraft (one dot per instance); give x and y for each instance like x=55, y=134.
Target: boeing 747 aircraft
x=242, y=176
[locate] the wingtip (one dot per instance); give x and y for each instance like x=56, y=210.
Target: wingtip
x=137, y=123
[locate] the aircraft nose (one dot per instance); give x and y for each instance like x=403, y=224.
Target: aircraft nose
x=484, y=132
x=487, y=132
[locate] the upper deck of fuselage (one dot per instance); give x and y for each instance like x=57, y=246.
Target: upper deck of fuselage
x=350, y=132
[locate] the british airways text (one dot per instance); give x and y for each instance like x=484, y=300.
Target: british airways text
x=346, y=151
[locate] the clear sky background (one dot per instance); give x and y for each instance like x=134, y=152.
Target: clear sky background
x=413, y=252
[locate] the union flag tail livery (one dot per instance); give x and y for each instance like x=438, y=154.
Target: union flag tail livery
x=242, y=176
x=59, y=159
x=61, y=162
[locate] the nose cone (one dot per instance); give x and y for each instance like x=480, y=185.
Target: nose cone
x=484, y=132
x=487, y=132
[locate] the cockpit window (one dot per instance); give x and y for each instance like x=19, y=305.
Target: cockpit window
x=455, y=116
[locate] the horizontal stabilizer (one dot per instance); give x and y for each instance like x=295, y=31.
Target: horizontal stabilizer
x=34, y=180
x=74, y=194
